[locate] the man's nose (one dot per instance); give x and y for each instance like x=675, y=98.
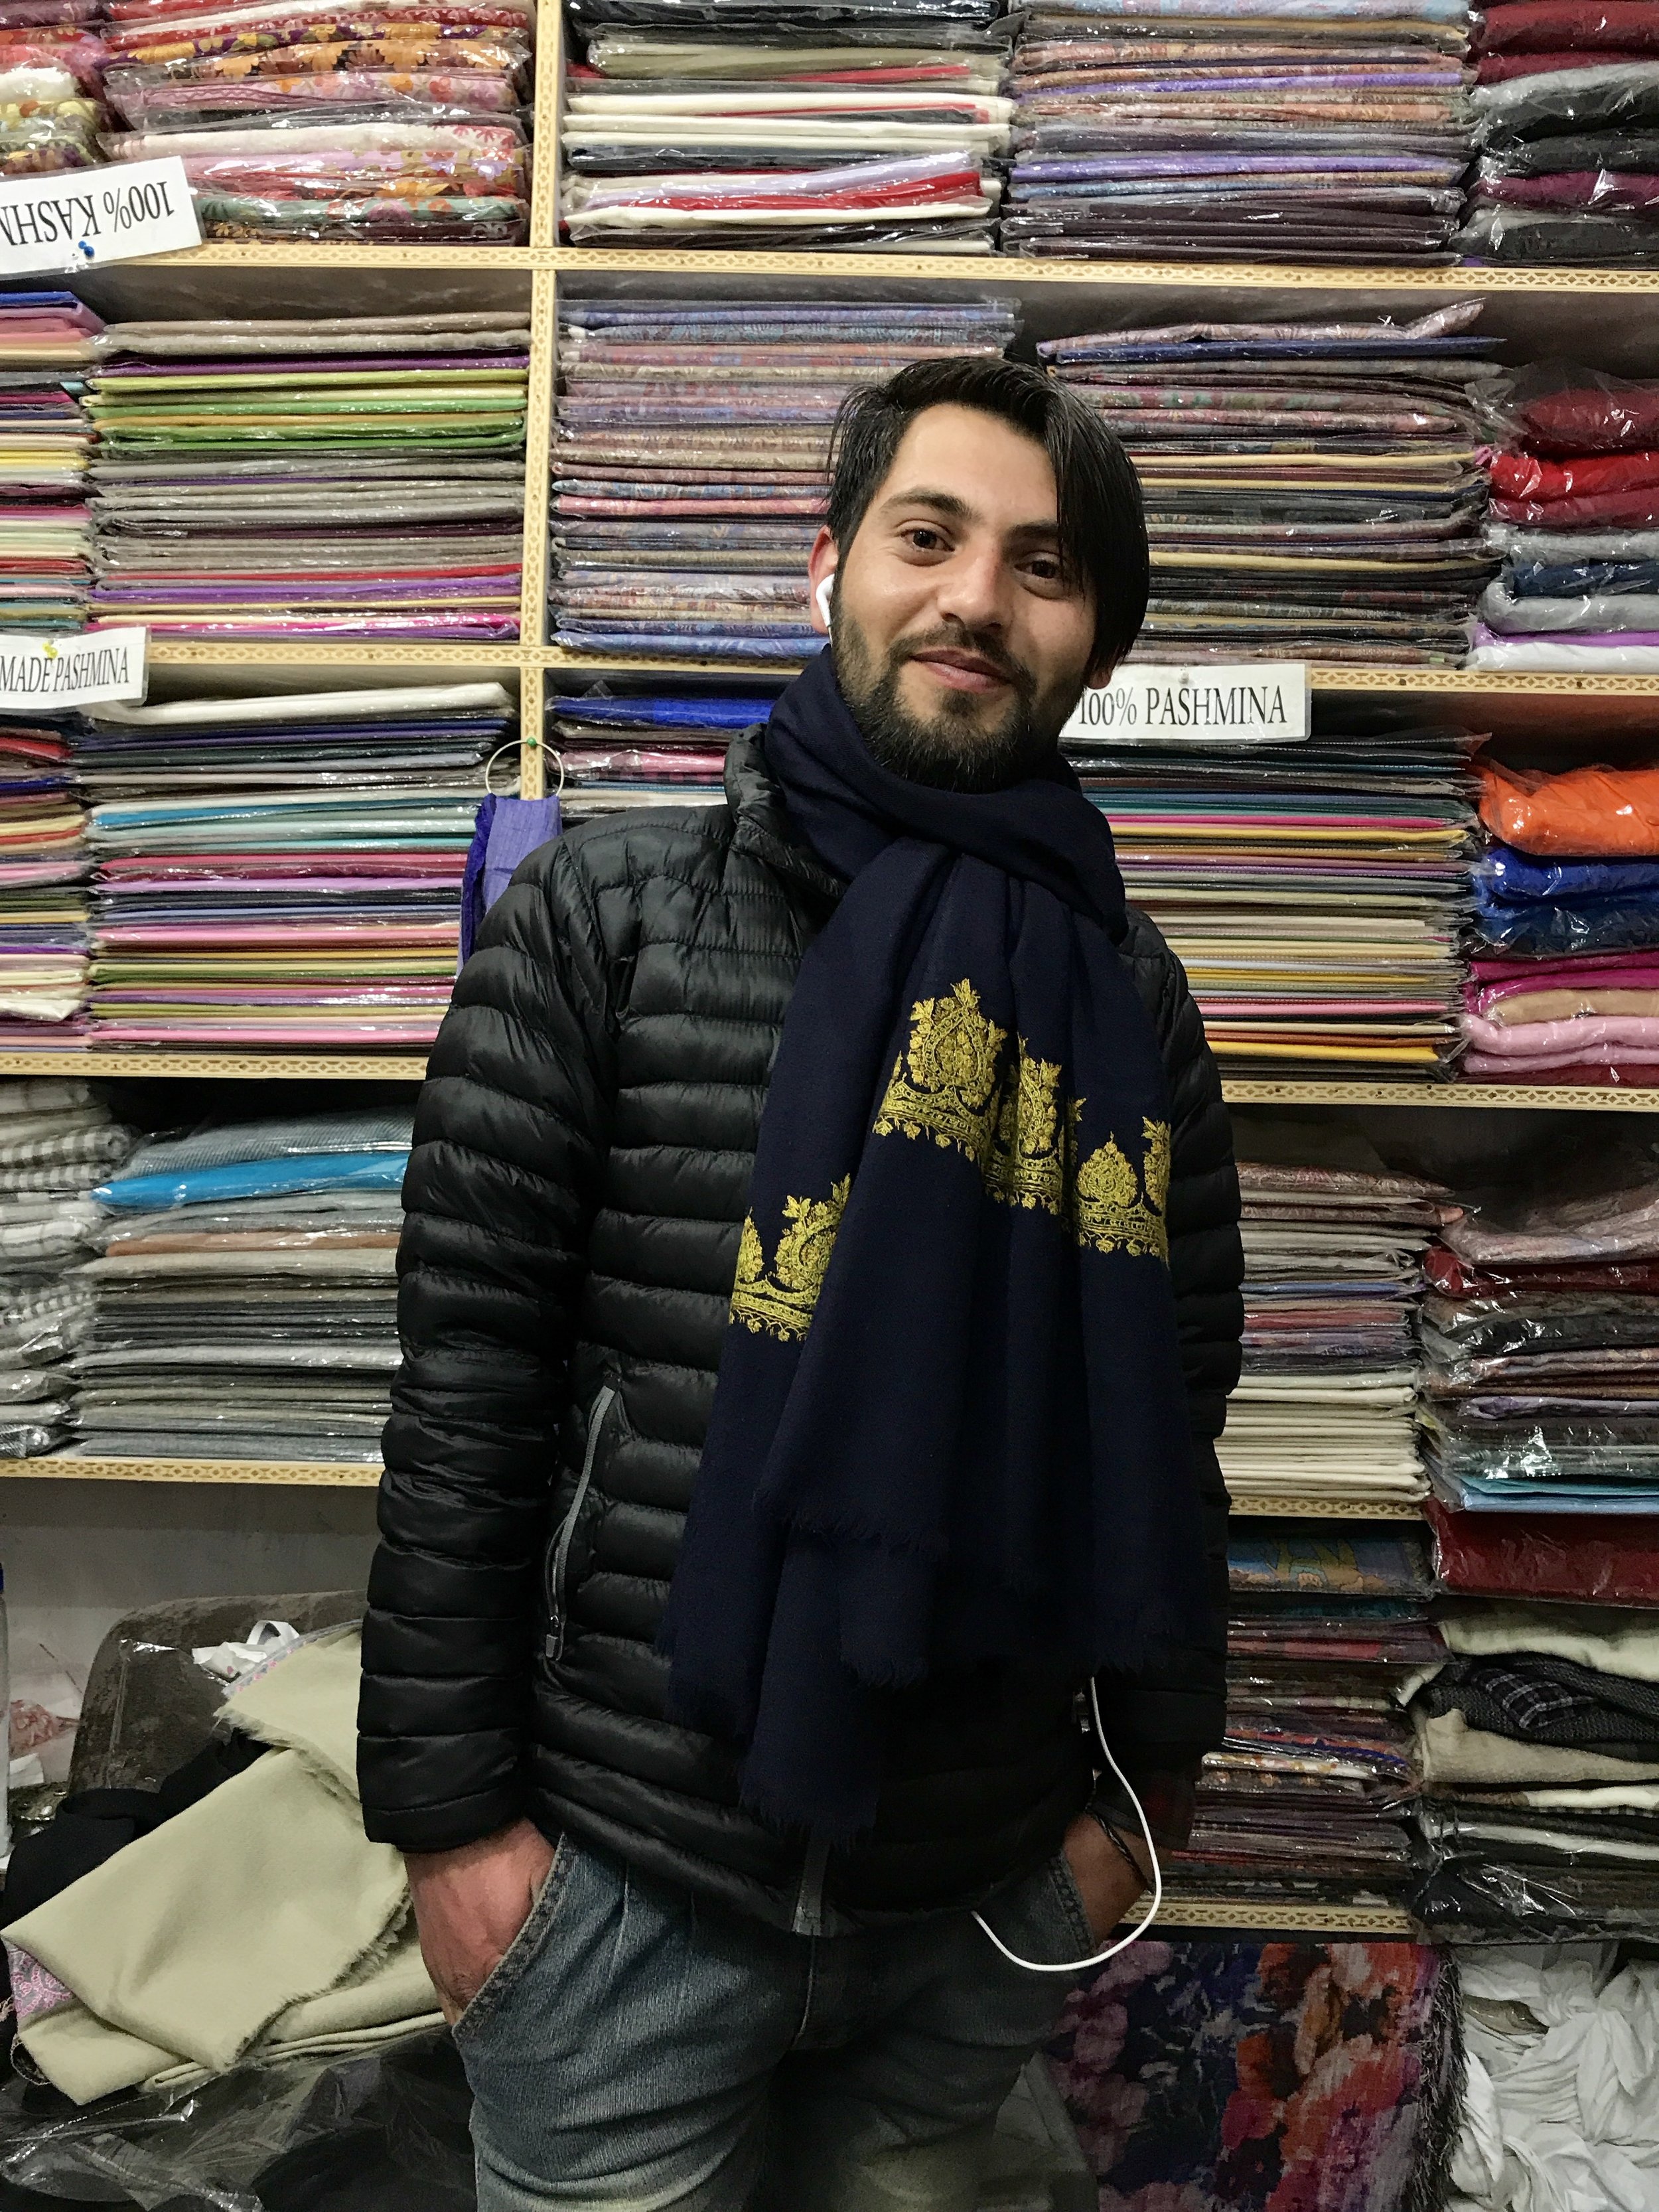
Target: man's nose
x=973, y=590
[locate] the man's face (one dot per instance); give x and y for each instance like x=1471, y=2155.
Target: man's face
x=960, y=644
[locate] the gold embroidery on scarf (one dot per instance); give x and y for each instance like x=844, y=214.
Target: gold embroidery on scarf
x=944, y=1085
x=780, y=1304
x=1115, y=1213
x=1029, y=1160
x=954, y=1085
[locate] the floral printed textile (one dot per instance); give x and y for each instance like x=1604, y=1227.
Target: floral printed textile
x=1245, y=2076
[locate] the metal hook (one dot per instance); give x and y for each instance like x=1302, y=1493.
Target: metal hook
x=511, y=746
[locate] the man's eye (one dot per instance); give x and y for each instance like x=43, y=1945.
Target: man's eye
x=924, y=539
x=1044, y=572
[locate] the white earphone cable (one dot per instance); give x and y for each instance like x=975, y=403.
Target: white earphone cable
x=1079, y=1965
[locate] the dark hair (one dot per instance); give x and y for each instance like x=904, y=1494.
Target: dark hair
x=1103, y=528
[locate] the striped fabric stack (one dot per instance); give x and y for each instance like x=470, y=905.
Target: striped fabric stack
x=348, y=476
x=689, y=442
x=48, y=340
x=284, y=870
x=1315, y=891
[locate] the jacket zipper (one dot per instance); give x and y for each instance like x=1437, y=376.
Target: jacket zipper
x=808, y=1898
x=556, y=1610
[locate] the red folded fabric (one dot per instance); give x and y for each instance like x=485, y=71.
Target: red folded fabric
x=1614, y=192
x=1623, y=510
x=1454, y=1279
x=1621, y=418
x=1497, y=69
x=1525, y=475
x=1573, y=27
x=1567, y=1555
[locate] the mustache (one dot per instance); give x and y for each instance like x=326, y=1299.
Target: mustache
x=954, y=638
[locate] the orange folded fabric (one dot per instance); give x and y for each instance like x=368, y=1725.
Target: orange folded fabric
x=1581, y=814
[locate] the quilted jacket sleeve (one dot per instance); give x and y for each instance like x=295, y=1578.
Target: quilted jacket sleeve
x=1169, y=1716
x=509, y=1137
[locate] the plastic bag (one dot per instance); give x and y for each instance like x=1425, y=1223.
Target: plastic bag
x=1522, y=1555
x=1593, y=812
x=1622, y=94
x=384, y=2132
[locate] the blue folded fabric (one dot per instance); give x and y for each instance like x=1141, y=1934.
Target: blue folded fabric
x=1503, y=872
x=1609, y=925
x=1572, y=580
x=271, y=1178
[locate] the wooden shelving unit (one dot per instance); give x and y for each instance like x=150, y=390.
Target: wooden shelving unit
x=1536, y=311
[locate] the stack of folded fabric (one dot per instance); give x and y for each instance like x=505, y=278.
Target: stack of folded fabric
x=1564, y=983
x=56, y=1141
x=47, y=340
x=44, y=865
x=1577, y=1556
x=688, y=455
x=1540, y=1341
x=1566, y=109
x=1538, y=1744
x=1309, y=1796
x=348, y=477
x=1240, y=130
x=1575, y=514
x=286, y=869
x=1332, y=1244
x=246, y=1299
x=1313, y=890
x=396, y=120
x=51, y=60
x=870, y=124
x=1314, y=490
x=613, y=747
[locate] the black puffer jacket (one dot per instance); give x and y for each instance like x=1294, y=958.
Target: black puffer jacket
x=582, y=1157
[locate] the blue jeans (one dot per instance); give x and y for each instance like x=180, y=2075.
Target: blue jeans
x=637, y=2051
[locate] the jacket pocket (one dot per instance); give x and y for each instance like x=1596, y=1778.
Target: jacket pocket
x=558, y=1566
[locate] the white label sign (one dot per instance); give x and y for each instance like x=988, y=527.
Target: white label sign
x=1255, y=702
x=72, y=672
x=78, y=218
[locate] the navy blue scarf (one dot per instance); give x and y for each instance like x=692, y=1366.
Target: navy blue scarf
x=951, y=1423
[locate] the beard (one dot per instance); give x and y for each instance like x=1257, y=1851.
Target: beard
x=957, y=748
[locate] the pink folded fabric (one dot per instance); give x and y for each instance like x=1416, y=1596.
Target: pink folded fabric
x=1550, y=1040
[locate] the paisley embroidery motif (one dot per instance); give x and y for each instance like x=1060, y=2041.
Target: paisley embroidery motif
x=781, y=1303
x=954, y=1085
x=1034, y=1136
x=944, y=1085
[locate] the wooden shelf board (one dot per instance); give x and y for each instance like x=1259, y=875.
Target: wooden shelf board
x=285, y=1067
x=1322, y=675
x=63, y=1466
x=1019, y=271
x=278, y=652
x=1595, y=1098
x=1247, y=1913
x=1325, y=1509
x=302, y=254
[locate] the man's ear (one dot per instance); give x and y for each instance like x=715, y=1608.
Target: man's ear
x=821, y=566
x=1101, y=673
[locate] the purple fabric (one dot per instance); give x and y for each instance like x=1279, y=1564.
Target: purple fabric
x=508, y=832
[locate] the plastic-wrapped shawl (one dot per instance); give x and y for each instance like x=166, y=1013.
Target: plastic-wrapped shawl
x=1600, y=615
x=1525, y=1556
x=1564, y=410
x=1589, y=812
x=1621, y=95
x=1505, y=234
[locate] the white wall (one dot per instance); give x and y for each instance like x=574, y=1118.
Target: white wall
x=77, y=1555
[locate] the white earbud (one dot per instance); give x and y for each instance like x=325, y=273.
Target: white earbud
x=822, y=595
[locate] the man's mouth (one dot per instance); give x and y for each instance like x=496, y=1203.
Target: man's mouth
x=963, y=671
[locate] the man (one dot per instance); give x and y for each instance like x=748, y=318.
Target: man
x=844, y=1168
